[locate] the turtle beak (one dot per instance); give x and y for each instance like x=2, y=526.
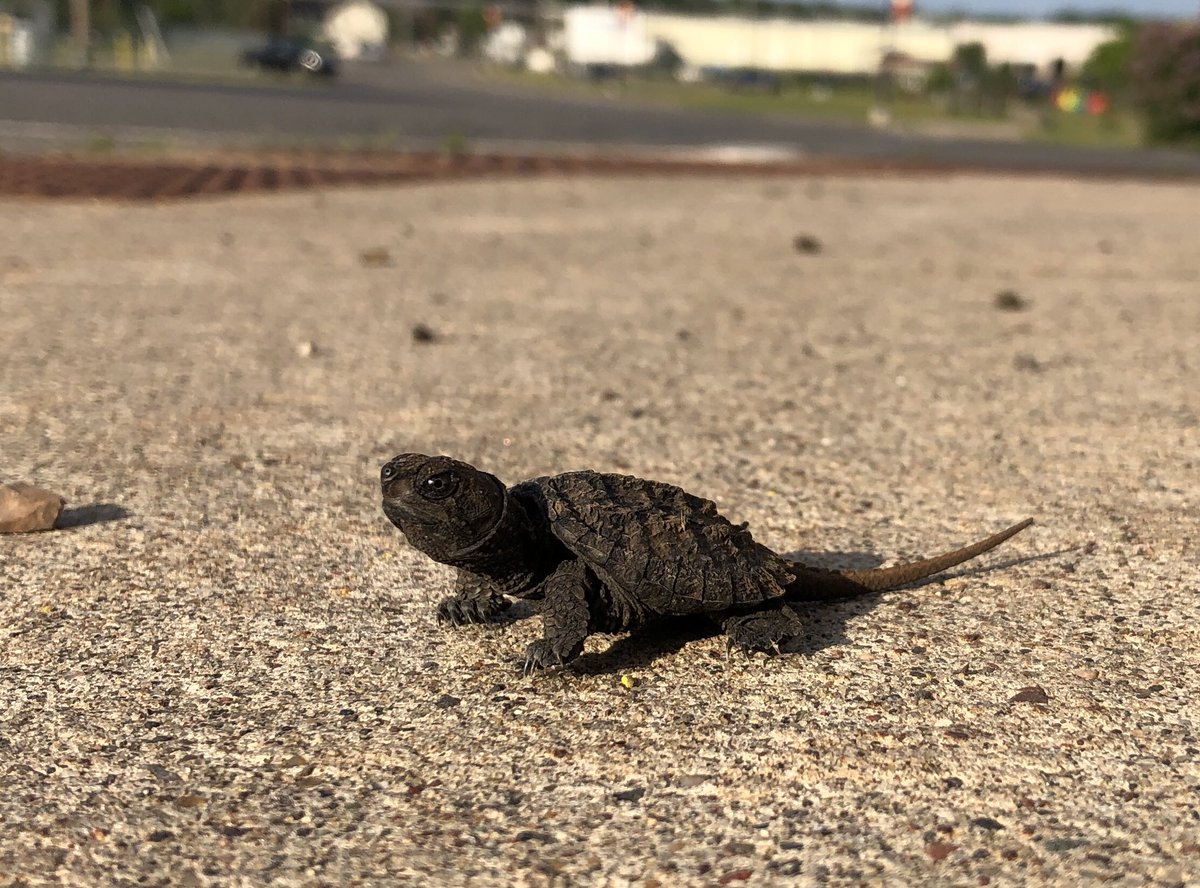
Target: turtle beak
x=393, y=508
x=404, y=511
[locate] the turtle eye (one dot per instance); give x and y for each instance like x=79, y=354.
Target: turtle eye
x=439, y=486
x=388, y=473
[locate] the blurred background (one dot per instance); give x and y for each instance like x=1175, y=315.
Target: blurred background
x=1118, y=75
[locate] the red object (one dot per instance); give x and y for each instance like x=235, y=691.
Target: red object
x=1097, y=103
x=902, y=10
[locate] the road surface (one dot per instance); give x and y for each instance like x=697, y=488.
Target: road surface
x=411, y=103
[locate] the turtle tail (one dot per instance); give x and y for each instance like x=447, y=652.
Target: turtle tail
x=816, y=584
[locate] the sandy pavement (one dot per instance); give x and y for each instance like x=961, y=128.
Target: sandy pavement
x=227, y=671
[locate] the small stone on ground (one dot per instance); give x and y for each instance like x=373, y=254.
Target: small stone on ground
x=25, y=508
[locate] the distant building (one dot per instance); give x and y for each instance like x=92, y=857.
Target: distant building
x=1038, y=44
x=25, y=38
x=607, y=35
x=619, y=35
x=357, y=29
x=16, y=41
x=910, y=75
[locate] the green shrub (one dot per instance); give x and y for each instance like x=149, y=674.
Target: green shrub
x=1165, y=71
x=1107, y=67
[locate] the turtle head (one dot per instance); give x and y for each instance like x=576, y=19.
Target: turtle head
x=444, y=507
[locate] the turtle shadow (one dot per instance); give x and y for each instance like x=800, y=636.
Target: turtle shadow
x=644, y=645
x=826, y=621
x=835, y=560
x=826, y=627
x=517, y=611
x=98, y=513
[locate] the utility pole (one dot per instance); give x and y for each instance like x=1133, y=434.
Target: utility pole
x=81, y=29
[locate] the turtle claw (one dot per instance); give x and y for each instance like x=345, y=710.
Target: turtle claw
x=735, y=648
x=461, y=611
x=542, y=654
x=447, y=614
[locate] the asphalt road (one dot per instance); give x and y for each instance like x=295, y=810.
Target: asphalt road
x=415, y=102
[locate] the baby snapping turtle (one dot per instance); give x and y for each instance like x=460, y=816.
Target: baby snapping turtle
x=605, y=553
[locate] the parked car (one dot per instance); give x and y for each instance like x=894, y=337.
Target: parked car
x=744, y=79
x=292, y=54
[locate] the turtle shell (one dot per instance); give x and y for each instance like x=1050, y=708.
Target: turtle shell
x=667, y=550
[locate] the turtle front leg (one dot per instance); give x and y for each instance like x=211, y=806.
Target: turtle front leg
x=565, y=618
x=474, y=601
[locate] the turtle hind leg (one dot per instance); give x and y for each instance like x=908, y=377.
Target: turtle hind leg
x=770, y=629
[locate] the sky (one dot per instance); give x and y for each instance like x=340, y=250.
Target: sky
x=1148, y=8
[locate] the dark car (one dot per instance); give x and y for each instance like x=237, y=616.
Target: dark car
x=291, y=54
x=744, y=79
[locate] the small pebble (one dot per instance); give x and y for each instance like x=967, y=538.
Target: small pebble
x=1010, y=300
x=166, y=775
x=1061, y=845
x=1029, y=364
x=375, y=257
x=737, y=875
x=806, y=244
x=423, y=333
x=25, y=508
x=939, y=850
x=1031, y=694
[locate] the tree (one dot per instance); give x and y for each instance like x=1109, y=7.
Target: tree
x=1107, y=67
x=1165, y=72
x=1102, y=17
x=971, y=59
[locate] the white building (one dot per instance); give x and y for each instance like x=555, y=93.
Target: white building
x=607, y=35
x=26, y=32
x=604, y=34
x=357, y=29
x=1034, y=43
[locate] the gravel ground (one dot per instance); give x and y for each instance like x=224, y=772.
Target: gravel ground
x=226, y=670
